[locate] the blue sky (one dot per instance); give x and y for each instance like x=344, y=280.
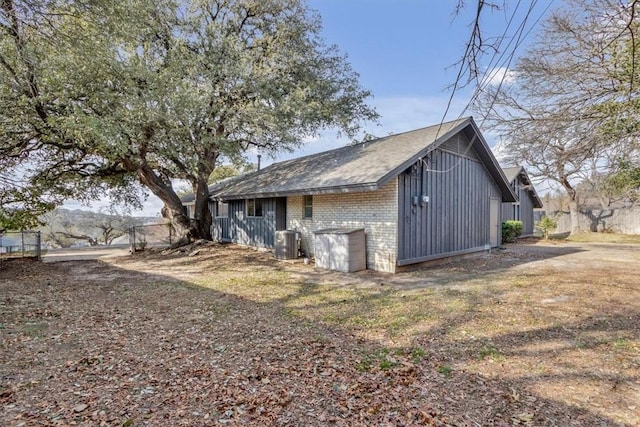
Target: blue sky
x=401, y=48
x=405, y=52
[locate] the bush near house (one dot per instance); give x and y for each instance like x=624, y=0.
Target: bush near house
x=546, y=225
x=511, y=230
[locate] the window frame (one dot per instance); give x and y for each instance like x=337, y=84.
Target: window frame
x=220, y=204
x=307, y=206
x=256, y=205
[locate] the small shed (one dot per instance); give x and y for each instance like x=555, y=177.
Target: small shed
x=340, y=249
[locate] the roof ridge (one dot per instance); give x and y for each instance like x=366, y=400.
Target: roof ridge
x=371, y=142
x=461, y=119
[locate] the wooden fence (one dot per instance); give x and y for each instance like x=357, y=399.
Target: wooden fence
x=618, y=220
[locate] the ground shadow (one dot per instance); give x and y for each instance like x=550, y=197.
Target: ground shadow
x=89, y=342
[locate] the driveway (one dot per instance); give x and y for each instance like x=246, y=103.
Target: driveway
x=84, y=254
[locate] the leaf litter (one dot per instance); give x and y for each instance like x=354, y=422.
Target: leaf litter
x=137, y=343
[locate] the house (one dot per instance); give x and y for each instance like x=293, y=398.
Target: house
x=421, y=195
x=527, y=200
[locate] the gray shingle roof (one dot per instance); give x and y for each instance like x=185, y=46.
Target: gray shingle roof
x=362, y=167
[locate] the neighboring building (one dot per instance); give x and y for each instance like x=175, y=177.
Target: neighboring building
x=527, y=200
x=426, y=194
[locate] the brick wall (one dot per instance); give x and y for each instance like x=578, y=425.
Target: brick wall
x=375, y=211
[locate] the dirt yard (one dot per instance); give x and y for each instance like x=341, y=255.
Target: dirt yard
x=539, y=334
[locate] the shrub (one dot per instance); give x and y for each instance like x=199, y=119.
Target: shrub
x=511, y=230
x=546, y=225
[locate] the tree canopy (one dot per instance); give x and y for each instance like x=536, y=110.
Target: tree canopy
x=571, y=112
x=101, y=96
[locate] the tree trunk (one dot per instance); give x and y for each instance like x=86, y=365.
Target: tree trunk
x=575, y=217
x=91, y=240
x=172, y=209
x=573, y=206
x=202, y=213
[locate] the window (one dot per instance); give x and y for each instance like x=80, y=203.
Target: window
x=308, y=206
x=516, y=211
x=222, y=209
x=254, y=207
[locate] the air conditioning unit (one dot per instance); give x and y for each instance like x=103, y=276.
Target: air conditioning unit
x=287, y=244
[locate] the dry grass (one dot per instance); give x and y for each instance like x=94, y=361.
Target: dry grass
x=588, y=237
x=537, y=335
x=563, y=325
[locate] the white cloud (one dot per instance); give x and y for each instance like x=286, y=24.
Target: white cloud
x=501, y=153
x=397, y=114
x=500, y=75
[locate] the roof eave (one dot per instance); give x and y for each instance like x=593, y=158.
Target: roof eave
x=537, y=202
x=340, y=189
x=481, y=147
x=493, y=167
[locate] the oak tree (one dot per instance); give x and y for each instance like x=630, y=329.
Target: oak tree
x=98, y=96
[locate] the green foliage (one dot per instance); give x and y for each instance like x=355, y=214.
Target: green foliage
x=546, y=225
x=490, y=351
x=625, y=182
x=511, y=230
x=18, y=219
x=621, y=343
x=417, y=354
x=384, y=358
x=445, y=370
x=103, y=94
x=12, y=220
x=227, y=171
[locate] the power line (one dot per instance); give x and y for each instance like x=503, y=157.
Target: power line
x=519, y=35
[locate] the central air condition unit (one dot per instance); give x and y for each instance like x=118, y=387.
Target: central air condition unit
x=287, y=244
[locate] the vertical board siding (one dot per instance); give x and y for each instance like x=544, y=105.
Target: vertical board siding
x=526, y=207
x=460, y=144
x=456, y=218
x=507, y=211
x=250, y=231
x=526, y=212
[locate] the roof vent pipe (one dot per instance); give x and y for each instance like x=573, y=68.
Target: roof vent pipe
x=259, y=156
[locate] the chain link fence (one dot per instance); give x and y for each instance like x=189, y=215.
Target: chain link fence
x=150, y=235
x=20, y=244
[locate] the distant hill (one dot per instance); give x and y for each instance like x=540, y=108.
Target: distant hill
x=81, y=216
x=77, y=227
